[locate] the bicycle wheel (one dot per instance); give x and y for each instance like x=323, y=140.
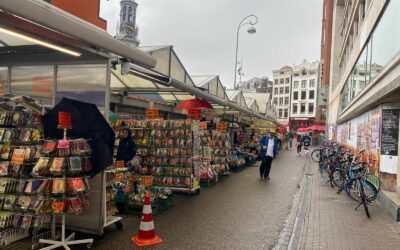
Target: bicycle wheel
x=337, y=177
x=351, y=188
x=324, y=172
x=374, y=180
x=315, y=155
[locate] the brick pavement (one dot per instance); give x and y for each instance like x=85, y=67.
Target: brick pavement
x=332, y=223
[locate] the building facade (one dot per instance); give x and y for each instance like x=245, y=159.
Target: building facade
x=304, y=94
x=256, y=85
x=281, y=92
x=364, y=87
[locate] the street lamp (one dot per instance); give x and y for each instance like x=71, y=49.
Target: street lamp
x=252, y=20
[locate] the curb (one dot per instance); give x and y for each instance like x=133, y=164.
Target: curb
x=286, y=238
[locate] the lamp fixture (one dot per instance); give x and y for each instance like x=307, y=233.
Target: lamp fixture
x=39, y=42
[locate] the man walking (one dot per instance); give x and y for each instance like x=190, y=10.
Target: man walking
x=269, y=151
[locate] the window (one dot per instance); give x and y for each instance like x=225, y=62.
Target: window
x=287, y=80
x=311, y=95
x=281, y=90
x=285, y=114
x=34, y=81
x=281, y=101
x=304, y=84
x=275, y=91
x=286, y=100
x=280, y=113
x=276, y=81
x=286, y=90
x=303, y=95
x=281, y=81
x=295, y=95
x=295, y=108
x=311, y=108
x=275, y=101
x=124, y=14
x=296, y=84
x=302, y=108
x=130, y=17
x=312, y=83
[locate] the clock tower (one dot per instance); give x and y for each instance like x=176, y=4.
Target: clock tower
x=128, y=30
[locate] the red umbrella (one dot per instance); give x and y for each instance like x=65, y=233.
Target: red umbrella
x=318, y=128
x=280, y=130
x=194, y=104
x=302, y=130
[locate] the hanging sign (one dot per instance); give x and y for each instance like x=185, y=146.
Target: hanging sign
x=152, y=113
x=194, y=114
x=222, y=126
x=64, y=120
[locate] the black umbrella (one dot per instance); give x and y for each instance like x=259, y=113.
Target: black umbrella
x=88, y=123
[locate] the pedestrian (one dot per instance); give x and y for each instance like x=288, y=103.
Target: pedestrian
x=269, y=151
x=291, y=139
x=306, y=144
x=298, y=144
x=126, y=148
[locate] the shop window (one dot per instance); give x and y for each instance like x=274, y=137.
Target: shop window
x=295, y=95
x=311, y=108
x=83, y=82
x=286, y=90
x=33, y=81
x=302, y=108
x=303, y=95
x=311, y=95
x=295, y=108
x=304, y=84
x=3, y=80
x=295, y=84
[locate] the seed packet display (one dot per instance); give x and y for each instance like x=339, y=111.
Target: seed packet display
x=57, y=166
x=58, y=186
x=75, y=165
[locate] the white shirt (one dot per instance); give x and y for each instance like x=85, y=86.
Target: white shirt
x=270, y=149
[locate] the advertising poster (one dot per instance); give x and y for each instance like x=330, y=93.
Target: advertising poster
x=390, y=140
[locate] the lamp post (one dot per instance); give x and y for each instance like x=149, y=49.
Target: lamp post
x=252, y=20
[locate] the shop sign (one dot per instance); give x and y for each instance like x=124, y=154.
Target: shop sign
x=120, y=164
x=222, y=126
x=64, y=120
x=203, y=125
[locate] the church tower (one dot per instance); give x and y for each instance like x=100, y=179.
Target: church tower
x=128, y=30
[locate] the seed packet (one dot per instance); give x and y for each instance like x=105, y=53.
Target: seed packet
x=36, y=185
x=9, y=202
x=49, y=147
x=3, y=186
x=75, y=186
x=58, y=206
x=28, y=187
x=45, y=187
x=25, y=135
x=75, y=165
x=57, y=166
x=7, y=136
x=26, y=222
x=3, y=116
x=87, y=164
x=41, y=167
x=2, y=131
x=17, y=220
x=2, y=200
x=18, y=156
x=23, y=203
x=74, y=206
x=6, y=152
x=21, y=186
x=58, y=186
x=4, y=168
x=63, y=148
x=32, y=205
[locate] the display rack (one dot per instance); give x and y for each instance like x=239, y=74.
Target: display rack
x=170, y=151
x=64, y=242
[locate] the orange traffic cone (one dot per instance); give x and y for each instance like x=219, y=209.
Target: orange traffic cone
x=147, y=236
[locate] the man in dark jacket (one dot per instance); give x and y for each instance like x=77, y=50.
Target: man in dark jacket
x=127, y=148
x=269, y=151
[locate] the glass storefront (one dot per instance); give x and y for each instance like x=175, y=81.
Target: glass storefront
x=383, y=45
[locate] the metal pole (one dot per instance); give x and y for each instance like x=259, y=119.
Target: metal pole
x=237, y=48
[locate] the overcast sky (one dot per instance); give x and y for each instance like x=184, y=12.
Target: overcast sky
x=203, y=33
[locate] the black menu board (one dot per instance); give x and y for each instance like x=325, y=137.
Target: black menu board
x=390, y=131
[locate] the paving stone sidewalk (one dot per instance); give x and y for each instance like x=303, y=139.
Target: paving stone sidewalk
x=332, y=223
